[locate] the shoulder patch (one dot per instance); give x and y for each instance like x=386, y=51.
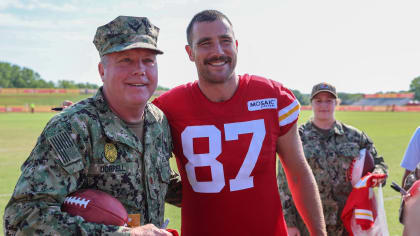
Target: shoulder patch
x=64, y=146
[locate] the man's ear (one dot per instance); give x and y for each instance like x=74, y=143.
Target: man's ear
x=101, y=70
x=189, y=52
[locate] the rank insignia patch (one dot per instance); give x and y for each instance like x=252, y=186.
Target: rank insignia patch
x=110, y=152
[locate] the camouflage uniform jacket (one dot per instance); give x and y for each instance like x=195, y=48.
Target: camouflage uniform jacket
x=329, y=156
x=412, y=177
x=408, y=182
x=88, y=146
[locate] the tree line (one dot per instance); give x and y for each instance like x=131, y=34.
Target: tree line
x=13, y=76
x=350, y=98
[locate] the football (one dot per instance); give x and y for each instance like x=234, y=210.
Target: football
x=96, y=207
x=360, y=166
x=368, y=165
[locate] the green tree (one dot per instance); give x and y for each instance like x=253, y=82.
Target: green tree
x=13, y=76
x=87, y=85
x=66, y=84
x=302, y=98
x=415, y=88
x=349, y=98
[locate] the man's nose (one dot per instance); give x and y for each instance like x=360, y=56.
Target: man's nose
x=140, y=68
x=218, y=48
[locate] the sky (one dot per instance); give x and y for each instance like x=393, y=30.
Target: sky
x=360, y=46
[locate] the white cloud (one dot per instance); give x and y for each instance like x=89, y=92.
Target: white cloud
x=33, y=5
x=358, y=45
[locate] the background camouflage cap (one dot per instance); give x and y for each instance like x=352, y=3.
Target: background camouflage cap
x=126, y=32
x=323, y=87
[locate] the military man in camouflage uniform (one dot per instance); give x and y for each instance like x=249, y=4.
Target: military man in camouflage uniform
x=330, y=147
x=116, y=142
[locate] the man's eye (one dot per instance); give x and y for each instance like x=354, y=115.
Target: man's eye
x=205, y=43
x=125, y=60
x=149, y=61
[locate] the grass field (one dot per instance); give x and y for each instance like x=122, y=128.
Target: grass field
x=390, y=132
x=39, y=99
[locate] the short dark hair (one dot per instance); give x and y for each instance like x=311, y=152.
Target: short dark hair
x=205, y=16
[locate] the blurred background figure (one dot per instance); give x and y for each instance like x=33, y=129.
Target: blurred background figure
x=32, y=107
x=412, y=155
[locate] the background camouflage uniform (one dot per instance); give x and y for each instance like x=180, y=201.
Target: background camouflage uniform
x=412, y=177
x=408, y=182
x=329, y=156
x=70, y=155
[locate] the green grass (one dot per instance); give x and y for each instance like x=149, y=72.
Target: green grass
x=391, y=133
x=39, y=99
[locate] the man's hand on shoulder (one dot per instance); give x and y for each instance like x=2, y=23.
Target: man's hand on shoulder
x=149, y=230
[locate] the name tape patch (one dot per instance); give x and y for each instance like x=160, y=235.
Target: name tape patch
x=261, y=104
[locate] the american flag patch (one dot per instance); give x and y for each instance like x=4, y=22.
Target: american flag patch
x=64, y=146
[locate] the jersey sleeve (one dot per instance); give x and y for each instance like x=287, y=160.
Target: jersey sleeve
x=157, y=102
x=288, y=109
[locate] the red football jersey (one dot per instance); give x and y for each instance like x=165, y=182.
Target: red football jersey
x=226, y=155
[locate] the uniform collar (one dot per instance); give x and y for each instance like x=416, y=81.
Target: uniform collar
x=115, y=128
x=336, y=129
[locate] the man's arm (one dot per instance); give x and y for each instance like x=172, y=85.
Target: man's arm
x=411, y=216
x=301, y=181
x=289, y=210
x=174, y=194
x=34, y=208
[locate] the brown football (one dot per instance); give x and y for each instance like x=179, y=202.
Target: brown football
x=369, y=164
x=96, y=207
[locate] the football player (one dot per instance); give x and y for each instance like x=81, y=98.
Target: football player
x=227, y=130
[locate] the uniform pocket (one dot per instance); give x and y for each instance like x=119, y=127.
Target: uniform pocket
x=348, y=149
x=159, y=178
x=119, y=179
x=330, y=208
x=74, y=167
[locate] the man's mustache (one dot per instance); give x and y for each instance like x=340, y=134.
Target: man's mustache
x=218, y=58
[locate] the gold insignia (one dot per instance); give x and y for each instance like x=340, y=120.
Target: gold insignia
x=110, y=152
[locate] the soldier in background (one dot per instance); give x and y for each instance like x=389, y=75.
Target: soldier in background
x=32, y=107
x=330, y=147
x=115, y=142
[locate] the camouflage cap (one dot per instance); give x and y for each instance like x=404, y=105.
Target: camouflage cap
x=323, y=87
x=126, y=32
